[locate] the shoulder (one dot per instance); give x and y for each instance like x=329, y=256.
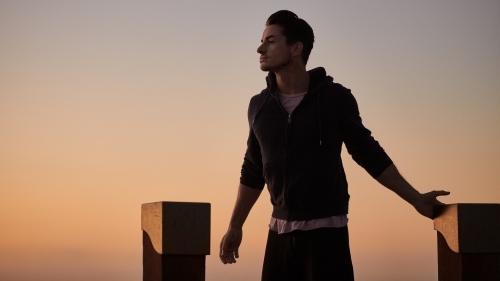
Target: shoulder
x=335, y=92
x=337, y=89
x=257, y=100
x=256, y=103
x=339, y=98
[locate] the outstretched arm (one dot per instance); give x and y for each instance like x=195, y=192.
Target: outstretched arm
x=230, y=243
x=423, y=203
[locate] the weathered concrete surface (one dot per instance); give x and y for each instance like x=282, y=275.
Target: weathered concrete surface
x=470, y=228
x=468, y=242
x=177, y=228
x=157, y=267
x=466, y=267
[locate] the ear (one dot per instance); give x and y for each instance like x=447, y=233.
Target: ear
x=297, y=49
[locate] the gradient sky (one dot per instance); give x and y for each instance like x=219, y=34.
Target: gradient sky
x=106, y=105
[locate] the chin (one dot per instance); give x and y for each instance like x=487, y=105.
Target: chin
x=264, y=67
x=275, y=66
x=271, y=68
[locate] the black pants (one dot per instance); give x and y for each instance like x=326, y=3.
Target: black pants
x=313, y=255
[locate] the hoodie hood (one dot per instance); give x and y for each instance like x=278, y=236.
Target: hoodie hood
x=317, y=79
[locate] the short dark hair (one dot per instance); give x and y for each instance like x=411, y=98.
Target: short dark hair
x=294, y=29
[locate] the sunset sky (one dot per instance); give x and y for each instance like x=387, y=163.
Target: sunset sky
x=106, y=105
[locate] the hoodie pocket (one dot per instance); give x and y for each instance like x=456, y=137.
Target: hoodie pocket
x=306, y=184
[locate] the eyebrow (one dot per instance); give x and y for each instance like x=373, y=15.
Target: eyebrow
x=267, y=38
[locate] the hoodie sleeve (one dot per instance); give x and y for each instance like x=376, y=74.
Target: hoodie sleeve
x=360, y=144
x=252, y=169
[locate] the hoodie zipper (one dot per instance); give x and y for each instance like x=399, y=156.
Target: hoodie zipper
x=287, y=152
x=272, y=91
x=287, y=164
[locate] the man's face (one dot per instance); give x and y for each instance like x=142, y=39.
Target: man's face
x=274, y=52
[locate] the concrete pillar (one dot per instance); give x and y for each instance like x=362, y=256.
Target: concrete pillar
x=468, y=242
x=176, y=239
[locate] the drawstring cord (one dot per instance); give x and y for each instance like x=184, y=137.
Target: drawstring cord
x=319, y=120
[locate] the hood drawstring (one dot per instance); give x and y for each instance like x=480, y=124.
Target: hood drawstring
x=319, y=119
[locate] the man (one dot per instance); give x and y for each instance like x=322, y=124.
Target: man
x=297, y=127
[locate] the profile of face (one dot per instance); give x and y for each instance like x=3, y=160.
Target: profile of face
x=274, y=51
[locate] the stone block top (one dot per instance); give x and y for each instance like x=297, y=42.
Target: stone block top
x=470, y=228
x=177, y=228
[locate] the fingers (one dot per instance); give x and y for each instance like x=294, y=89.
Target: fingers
x=428, y=201
x=440, y=193
x=431, y=197
x=228, y=256
x=437, y=193
x=229, y=246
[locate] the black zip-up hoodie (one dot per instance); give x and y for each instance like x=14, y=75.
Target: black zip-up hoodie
x=298, y=155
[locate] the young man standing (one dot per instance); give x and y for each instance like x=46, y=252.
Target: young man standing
x=297, y=127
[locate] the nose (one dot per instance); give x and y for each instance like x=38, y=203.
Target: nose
x=260, y=49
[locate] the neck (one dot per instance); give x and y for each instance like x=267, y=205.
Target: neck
x=292, y=81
